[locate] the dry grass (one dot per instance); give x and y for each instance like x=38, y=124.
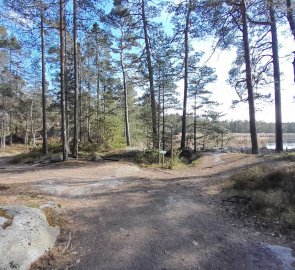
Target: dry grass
x=241, y=140
x=53, y=218
x=29, y=154
x=14, y=149
x=9, y=218
x=272, y=192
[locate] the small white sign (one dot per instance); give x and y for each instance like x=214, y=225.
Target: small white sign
x=163, y=152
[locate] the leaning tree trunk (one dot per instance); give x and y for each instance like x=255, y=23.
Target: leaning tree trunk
x=62, y=84
x=126, y=111
x=186, y=52
x=151, y=75
x=277, y=77
x=44, y=112
x=252, y=120
x=76, y=92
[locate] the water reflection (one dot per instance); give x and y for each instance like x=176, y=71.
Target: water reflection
x=288, y=141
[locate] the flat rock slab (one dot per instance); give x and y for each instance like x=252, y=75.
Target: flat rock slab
x=26, y=238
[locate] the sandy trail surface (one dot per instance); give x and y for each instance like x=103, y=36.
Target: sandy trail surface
x=120, y=216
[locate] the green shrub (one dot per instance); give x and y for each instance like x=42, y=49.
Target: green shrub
x=150, y=156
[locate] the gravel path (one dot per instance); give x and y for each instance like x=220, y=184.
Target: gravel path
x=123, y=217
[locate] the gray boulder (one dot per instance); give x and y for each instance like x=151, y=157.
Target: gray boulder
x=24, y=239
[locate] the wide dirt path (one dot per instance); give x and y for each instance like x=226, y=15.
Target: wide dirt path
x=122, y=217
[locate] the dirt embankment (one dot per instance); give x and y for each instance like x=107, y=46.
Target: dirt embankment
x=122, y=217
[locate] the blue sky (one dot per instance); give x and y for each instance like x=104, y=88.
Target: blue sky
x=224, y=93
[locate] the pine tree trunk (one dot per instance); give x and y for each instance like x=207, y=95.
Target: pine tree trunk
x=10, y=129
x=159, y=118
x=62, y=84
x=186, y=52
x=195, y=124
x=163, y=116
x=277, y=78
x=104, y=110
x=97, y=81
x=3, y=143
x=76, y=93
x=151, y=76
x=26, y=139
x=126, y=113
x=252, y=119
x=66, y=82
x=44, y=112
x=89, y=114
x=32, y=123
x=80, y=98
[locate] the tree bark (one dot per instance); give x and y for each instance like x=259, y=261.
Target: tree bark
x=163, y=115
x=76, y=92
x=151, y=75
x=62, y=84
x=44, y=101
x=10, y=128
x=26, y=132
x=126, y=113
x=32, y=123
x=3, y=143
x=252, y=119
x=89, y=113
x=186, y=52
x=80, y=95
x=277, y=77
x=97, y=80
x=66, y=81
x=195, y=124
x=159, y=117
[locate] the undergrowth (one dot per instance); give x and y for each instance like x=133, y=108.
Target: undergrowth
x=27, y=157
x=150, y=158
x=272, y=192
x=33, y=153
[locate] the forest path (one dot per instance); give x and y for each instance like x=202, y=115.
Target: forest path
x=124, y=217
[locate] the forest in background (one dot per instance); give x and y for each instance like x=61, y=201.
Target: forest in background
x=103, y=75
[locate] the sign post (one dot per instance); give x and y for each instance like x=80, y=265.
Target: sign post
x=163, y=152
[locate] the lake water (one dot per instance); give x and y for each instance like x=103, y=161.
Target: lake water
x=288, y=141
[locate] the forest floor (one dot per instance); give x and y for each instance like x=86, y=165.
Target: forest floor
x=120, y=216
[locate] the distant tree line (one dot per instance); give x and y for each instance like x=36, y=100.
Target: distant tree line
x=239, y=126
x=232, y=126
